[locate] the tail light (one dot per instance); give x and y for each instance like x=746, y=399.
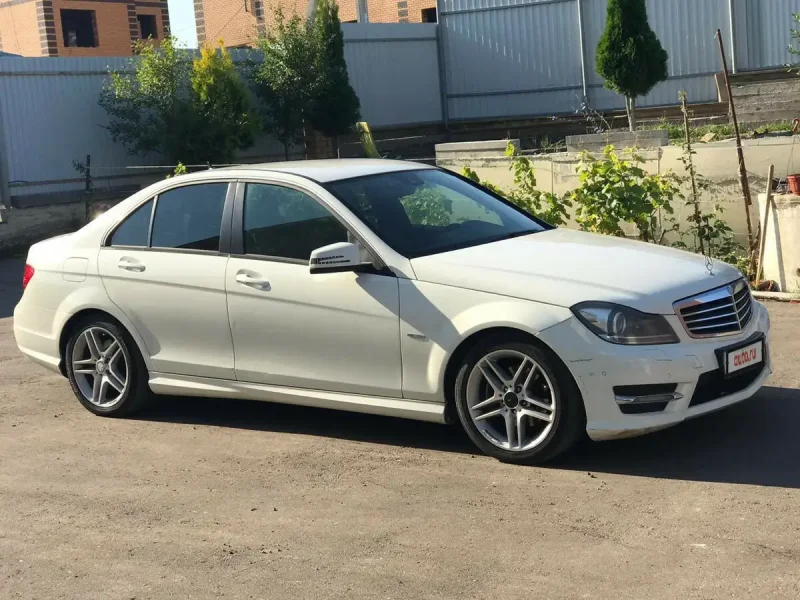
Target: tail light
x=27, y=276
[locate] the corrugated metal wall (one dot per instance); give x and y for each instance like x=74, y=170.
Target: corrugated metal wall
x=764, y=27
x=394, y=68
x=508, y=58
x=50, y=116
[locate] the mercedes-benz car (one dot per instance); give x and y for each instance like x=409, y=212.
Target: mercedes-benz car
x=392, y=288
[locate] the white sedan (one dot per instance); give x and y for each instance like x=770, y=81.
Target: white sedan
x=390, y=288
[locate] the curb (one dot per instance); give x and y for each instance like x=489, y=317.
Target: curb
x=777, y=296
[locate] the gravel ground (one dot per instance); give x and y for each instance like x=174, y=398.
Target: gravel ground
x=206, y=499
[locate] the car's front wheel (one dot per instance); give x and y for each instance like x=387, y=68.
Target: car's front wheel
x=105, y=368
x=517, y=402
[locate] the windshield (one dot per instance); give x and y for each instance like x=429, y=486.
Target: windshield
x=430, y=211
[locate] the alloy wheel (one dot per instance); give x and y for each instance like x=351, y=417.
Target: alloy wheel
x=100, y=367
x=511, y=400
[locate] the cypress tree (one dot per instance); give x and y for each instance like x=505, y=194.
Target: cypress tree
x=335, y=108
x=629, y=56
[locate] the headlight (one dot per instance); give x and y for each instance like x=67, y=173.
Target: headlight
x=622, y=325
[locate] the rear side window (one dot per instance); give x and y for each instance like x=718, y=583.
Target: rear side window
x=189, y=217
x=286, y=223
x=134, y=229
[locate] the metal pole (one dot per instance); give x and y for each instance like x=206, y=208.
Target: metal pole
x=739, y=150
x=583, y=52
x=732, y=16
x=445, y=103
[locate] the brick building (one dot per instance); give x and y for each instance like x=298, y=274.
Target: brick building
x=237, y=22
x=79, y=27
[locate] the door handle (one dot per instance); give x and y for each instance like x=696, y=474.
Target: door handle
x=130, y=264
x=246, y=279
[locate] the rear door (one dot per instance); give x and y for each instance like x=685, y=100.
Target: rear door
x=164, y=267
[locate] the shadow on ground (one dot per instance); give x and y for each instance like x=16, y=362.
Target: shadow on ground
x=753, y=443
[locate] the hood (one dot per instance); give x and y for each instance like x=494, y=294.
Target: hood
x=564, y=267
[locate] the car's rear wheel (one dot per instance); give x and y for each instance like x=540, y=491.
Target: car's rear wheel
x=105, y=368
x=517, y=402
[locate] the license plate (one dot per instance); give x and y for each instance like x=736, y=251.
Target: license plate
x=741, y=358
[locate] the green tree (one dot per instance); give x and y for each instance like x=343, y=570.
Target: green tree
x=188, y=111
x=222, y=103
x=284, y=77
x=629, y=56
x=335, y=107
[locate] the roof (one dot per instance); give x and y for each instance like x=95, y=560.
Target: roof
x=324, y=171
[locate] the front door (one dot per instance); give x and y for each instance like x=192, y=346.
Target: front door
x=334, y=331
x=169, y=280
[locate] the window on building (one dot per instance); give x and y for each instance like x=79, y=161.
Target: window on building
x=78, y=27
x=147, y=26
x=429, y=15
x=189, y=217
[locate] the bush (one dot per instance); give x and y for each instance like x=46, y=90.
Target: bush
x=616, y=189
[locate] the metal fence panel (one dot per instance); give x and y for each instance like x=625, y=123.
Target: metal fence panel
x=50, y=115
x=394, y=68
x=517, y=58
x=765, y=25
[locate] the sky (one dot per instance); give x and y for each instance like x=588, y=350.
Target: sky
x=181, y=20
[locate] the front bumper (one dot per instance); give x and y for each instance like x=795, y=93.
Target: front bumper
x=599, y=366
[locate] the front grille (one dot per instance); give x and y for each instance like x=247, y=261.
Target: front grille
x=714, y=385
x=721, y=311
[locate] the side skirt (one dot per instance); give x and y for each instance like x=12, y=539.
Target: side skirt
x=187, y=385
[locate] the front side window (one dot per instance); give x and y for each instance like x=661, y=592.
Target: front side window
x=189, y=217
x=135, y=229
x=429, y=211
x=285, y=223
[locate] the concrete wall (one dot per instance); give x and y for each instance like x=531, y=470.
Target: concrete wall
x=717, y=162
x=782, y=243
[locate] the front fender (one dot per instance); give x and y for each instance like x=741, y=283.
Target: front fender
x=435, y=320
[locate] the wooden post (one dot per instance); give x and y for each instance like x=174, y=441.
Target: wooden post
x=764, y=225
x=740, y=151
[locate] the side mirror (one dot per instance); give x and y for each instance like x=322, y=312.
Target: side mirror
x=336, y=258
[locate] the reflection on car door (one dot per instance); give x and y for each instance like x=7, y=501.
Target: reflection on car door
x=168, y=277
x=334, y=331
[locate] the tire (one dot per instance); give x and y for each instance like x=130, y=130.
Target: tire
x=96, y=348
x=546, y=432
